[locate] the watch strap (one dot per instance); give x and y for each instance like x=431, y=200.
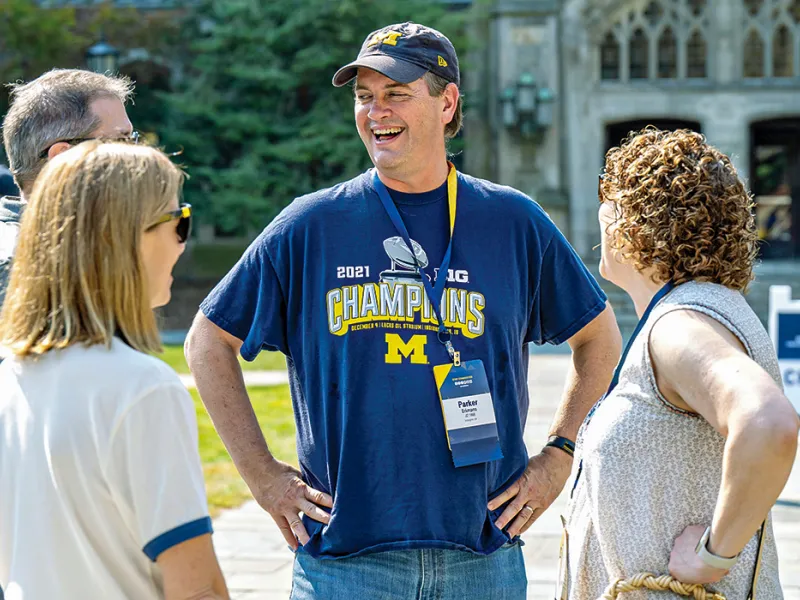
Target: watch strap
x=562, y=443
x=711, y=559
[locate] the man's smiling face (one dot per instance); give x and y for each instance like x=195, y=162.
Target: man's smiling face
x=400, y=124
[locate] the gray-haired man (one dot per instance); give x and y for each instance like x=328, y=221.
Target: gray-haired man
x=47, y=116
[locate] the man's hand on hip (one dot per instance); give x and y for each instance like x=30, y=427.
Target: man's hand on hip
x=537, y=488
x=284, y=495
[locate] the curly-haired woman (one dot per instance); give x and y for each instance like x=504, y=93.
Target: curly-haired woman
x=101, y=487
x=682, y=460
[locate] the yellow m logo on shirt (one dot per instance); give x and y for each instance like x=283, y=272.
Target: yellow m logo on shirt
x=413, y=349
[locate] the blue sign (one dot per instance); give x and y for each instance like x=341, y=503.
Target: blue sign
x=788, y=336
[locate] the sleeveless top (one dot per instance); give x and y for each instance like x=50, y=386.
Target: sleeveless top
x=651, y=469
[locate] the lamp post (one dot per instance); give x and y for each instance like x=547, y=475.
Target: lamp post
x=527, y=107
x=102, y=57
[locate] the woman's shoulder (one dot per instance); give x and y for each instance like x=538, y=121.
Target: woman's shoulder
x=719, y=303
x=118, y=368
x=700, y=311
x=705, y=293
x=142, y=370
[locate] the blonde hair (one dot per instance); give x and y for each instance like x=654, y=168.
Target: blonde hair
x=77, y=275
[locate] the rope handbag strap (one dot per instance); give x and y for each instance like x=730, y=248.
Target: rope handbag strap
x=661, y=583
x=670, y=584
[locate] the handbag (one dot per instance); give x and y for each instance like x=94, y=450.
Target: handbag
x=669, y=583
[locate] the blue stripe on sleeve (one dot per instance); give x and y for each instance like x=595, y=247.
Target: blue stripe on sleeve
x=176, y=536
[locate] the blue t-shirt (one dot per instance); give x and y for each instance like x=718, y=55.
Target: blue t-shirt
x=328, y=285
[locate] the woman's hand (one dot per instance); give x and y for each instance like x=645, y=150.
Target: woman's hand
x=684, y=563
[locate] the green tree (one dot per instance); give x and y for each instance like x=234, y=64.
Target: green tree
x=35, y=39
x=256, y=114
x=156, y=32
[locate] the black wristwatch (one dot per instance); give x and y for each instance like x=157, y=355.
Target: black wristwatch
x=562, y=443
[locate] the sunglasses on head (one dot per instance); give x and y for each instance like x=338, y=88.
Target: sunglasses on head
x=133, y=137
x=184, y=216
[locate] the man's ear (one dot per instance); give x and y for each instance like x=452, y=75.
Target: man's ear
x=451, y=96
x=57, y=149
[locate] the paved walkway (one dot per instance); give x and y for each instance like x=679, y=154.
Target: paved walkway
x=250, y=378
x=257, y=562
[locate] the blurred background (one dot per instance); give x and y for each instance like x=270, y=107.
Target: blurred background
x=242, y=88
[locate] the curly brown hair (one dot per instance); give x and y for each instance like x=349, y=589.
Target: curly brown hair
x=681, y=209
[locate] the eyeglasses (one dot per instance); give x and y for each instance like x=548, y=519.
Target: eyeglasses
x=132, y=138
x=184, y=216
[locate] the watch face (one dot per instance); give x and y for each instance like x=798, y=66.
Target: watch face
x=703, y=540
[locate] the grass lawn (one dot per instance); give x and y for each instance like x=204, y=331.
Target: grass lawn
x=265, y=361
x=224, y=486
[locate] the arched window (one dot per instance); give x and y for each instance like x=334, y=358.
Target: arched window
x=639, y=55
x=782, y=53
x=696, y=56
x=609, y=57
x=664, y=39
x=753, y=55
x=667, y=55
x=672, y=39
x=773, y=28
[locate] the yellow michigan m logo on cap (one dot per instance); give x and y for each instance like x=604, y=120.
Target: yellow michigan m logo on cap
x=385, y=37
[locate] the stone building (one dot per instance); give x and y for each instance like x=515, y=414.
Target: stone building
x=557, y=83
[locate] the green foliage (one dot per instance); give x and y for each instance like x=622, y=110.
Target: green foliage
x=265, y=361
x=35, y=39
x=210, y=260
x=256, y=114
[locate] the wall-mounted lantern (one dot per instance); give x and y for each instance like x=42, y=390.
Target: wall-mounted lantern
x=527, y=107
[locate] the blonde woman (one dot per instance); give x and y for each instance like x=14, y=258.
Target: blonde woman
x=679, y=465
x=102, y=489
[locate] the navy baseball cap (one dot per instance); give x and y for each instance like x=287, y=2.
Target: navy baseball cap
x=404, y=52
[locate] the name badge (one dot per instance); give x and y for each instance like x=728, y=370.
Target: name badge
x=468, y=411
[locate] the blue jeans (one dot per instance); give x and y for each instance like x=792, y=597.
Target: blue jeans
x=429, y=574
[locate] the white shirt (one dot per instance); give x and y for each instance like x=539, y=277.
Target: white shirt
x=98, y=463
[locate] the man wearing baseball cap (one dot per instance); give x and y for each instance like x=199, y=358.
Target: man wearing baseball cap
x=404, y=300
